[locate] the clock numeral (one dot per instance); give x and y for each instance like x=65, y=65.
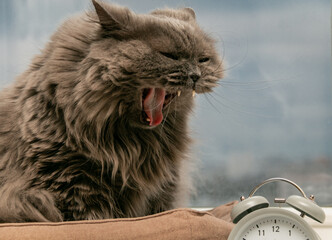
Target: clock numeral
x=261, y=232
x=275, y=228
x=290, y=232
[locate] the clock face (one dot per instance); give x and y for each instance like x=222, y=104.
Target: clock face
x=272, y=224
x=275, y=228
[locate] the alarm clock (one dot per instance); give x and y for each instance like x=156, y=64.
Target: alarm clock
x=255, y=220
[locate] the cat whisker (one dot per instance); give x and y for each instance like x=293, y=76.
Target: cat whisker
x=206, y=97
x=218, y=68
x=167, y=112
x=237, y=107
x=240, y=61
x=253, y=85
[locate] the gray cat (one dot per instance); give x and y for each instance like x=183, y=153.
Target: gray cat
x=97, y=127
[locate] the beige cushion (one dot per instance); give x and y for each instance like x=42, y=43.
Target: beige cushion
x=174, y=224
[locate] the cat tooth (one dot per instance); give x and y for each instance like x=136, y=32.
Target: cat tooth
x=179, y=93
x=194, y=93
x=148, y=119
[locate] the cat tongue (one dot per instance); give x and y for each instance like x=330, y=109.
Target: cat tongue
x=153, y=105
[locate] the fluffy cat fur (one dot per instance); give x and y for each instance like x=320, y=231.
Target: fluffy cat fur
x=81, y=133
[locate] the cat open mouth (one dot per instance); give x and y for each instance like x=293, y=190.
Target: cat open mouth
x=154, y=100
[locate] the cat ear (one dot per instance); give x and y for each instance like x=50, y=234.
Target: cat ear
x=112, y=18
x=190, y=11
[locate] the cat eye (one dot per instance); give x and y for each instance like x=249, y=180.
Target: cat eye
x=203, y=60
x=170, y=55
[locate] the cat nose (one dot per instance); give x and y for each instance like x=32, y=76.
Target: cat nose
x=194, y=77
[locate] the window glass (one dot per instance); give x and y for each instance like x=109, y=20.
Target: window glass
x=272, y=113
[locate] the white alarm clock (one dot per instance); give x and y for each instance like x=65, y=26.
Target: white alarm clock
x=255, y=220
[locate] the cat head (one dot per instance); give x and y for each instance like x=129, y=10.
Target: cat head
x=150, y=65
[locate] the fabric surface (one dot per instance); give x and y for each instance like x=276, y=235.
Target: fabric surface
x=174, y=224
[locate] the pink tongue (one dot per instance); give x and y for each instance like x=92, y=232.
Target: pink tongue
x=153, y=105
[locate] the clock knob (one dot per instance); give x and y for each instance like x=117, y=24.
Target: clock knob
x=247, y=206
x=307, y=207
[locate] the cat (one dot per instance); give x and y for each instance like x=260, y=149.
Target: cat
x=97, y=127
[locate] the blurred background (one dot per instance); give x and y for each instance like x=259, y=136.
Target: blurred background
x=272, y=113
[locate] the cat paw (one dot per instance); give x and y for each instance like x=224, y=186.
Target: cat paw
x=39, y=206
x=32, y=205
